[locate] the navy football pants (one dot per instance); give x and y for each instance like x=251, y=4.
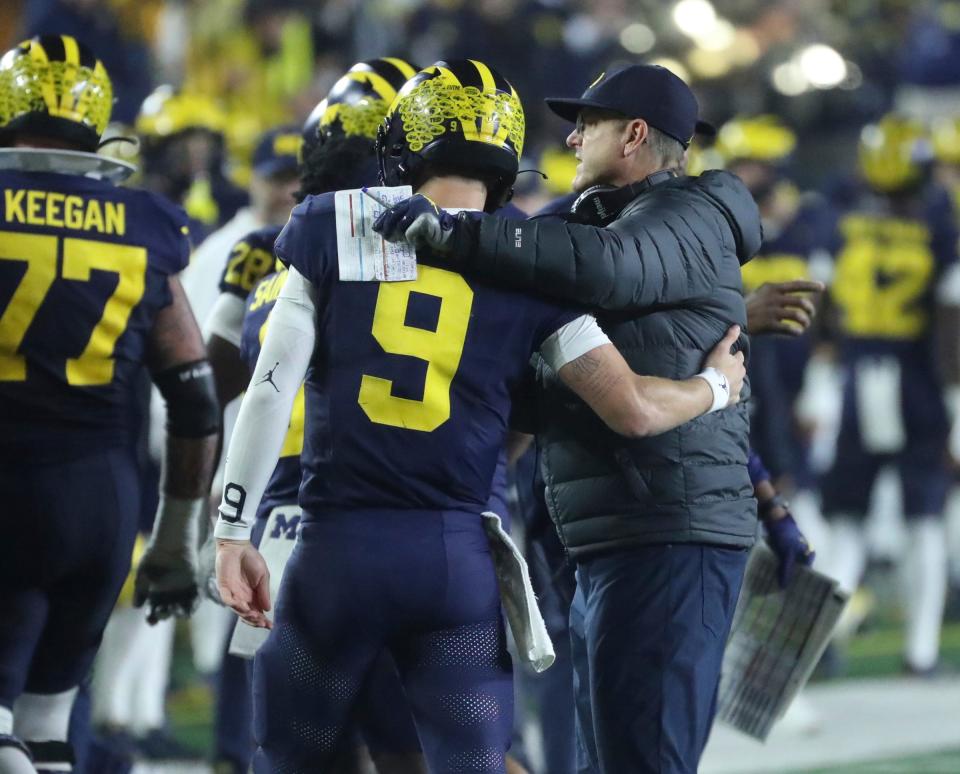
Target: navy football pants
x=420, y=584
x=648, y=628
x=68, y=530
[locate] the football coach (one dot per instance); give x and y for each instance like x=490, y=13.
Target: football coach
x=659, y=526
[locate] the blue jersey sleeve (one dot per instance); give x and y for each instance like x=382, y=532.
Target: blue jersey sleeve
x=308, y=241
x=172, y=233
x=548, y=318
x=250, y=260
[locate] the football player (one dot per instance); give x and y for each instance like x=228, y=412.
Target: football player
x=895, y=281
x=798, y=236
x=407, y=403
x=182, y=151
x=337, y=152
x=89, y=297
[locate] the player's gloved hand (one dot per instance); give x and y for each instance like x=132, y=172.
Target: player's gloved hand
x=420, y=222
x=244, y=581
x=168, y=582
x=788, y=543
x=167, y=574
x=782, y=307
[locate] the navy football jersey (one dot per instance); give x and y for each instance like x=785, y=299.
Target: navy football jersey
x=285, y=481
x=84, y=268
x=777, y=363
x=251, y=259
x=408, y=394
x=887, y=269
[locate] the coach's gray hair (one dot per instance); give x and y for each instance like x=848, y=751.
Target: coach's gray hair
x=666, y=148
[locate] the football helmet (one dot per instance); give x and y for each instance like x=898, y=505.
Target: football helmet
x=54, y=86
x=458, y=113
x=760, y=138
x=892, y=152
x=945, y=135
x=167, y=112
x=358, y=101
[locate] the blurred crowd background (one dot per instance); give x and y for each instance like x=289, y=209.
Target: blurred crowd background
x=825, y=67
x=819, y=71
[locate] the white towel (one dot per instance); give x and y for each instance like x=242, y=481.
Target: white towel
x=519, y=601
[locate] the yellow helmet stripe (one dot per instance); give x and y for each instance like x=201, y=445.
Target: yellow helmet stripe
x=39, y=55
x=71, y=51
x=380, y=85
x=498, y=133
x=404, y=67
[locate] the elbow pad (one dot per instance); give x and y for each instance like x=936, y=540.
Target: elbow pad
x=191, y=396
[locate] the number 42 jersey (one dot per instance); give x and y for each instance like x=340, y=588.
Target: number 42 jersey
x=84, y=269
x=408, y=393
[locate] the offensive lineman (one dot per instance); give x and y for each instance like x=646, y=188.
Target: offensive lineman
x=88, y=296
x=407, y=407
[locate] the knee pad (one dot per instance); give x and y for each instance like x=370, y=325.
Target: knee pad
x=14, y=756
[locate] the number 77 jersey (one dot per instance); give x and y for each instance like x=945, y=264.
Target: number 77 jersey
x=84, y=269
x=408, y=394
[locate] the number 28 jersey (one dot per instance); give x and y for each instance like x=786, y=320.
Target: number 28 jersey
x=408, y=393
x=84, y=269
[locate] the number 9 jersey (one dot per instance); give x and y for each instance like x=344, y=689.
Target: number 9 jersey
x=84, y=268
x=408, y=393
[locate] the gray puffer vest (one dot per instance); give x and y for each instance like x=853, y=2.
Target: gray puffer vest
x=664, y=282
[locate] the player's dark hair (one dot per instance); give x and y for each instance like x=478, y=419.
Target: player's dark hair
x=338, y=163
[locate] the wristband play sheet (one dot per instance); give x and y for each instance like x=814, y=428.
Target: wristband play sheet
x=364, y=255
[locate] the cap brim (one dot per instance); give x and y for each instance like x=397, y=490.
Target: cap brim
x=569, y=109
x=705, y=128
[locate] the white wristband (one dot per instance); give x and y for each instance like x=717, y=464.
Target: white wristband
x=719, y=386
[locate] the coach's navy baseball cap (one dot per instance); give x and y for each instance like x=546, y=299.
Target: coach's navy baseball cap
x=646, y=91
x=277, y=151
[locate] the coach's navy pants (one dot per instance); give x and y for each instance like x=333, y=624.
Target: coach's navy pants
x=648, y=627
x=419, y=584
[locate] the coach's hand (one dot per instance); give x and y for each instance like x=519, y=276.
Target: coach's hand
x=782, y=307
x=729, y=364
x=420, y=222
x=244, y=581
x=166, y=582
x=788, y=543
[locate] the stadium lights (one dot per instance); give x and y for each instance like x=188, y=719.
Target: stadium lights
x=789, y=79
x=709, y=64
x=675, y=66
x=817, y=66
x=822, y=66
x=637, y=38
x=694, y=18
x=719, y=37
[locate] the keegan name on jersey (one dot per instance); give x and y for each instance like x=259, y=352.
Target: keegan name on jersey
x=84, y=268
x=408, y=395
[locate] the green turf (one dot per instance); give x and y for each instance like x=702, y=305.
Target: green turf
x=943, y=762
